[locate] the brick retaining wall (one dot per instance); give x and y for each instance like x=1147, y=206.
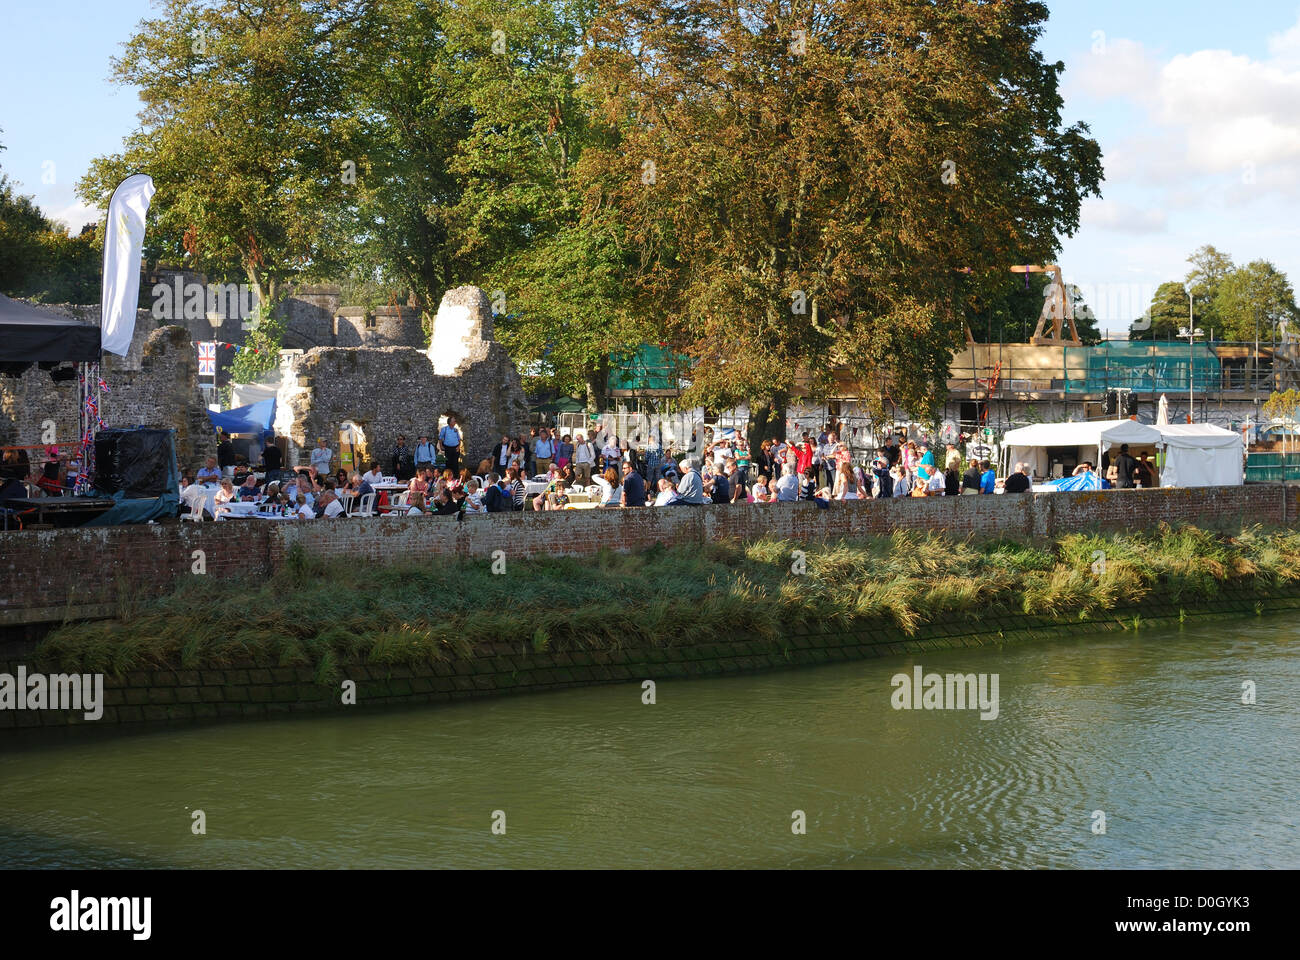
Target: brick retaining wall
x=53, y=575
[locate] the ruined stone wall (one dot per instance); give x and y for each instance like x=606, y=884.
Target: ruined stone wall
x=399, y=390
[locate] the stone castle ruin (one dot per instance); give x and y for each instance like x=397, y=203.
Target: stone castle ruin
x=389, y=391
x=369, y=367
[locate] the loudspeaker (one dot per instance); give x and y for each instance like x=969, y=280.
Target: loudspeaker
x=133, y=461
x=1111, y=405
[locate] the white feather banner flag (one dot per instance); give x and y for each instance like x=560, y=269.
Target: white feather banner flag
x=123, y=243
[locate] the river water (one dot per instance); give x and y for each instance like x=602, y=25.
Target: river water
x=1148, y=728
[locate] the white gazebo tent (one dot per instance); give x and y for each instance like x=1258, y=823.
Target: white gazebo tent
x=1200, y=455
x=1090, y=439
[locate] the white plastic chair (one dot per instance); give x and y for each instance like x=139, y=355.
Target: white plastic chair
x=196, y=511
x=403, y=499
x=366, y=508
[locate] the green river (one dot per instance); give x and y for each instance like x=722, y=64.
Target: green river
x=1149, y=728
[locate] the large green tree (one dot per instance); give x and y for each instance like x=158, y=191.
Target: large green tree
x=1167, y=314
x=245, y=132
x=39, y=259
x=1254, y=301
x=801, y=182
x=1209, y=269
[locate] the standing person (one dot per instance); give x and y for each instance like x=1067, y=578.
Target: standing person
x=742, y=460
x=584, y=458
x=952, y=459
x=225, y=455
x=402, y=462
x=564, y=451
x=764, y=462
x=1152, y=475
x=321, y=457
x=449, y=441
x=272, y=461
x=952, y=477
x=501, y=456
x=426, y=454
x=988, y=479
x=654, y=458
x=926, y=467
x=902, y=486
x=884, y=479
x=611, y=453
x=1125, y=467
x=515, y=456
x=803, y=454
x=544, y=451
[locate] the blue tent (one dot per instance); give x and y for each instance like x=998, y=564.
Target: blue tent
x=254, y=418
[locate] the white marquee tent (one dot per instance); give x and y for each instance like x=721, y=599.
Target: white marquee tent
x=1090, y=439
x=1200, y=455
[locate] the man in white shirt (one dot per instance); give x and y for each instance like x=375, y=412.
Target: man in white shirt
x=321, y=457
x=787, y=488
x=374, y=475
x=331, y=506
x=584, y=457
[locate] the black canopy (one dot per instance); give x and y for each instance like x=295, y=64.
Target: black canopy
x=28, y=336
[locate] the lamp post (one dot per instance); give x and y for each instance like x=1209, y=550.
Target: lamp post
x=1191, y=333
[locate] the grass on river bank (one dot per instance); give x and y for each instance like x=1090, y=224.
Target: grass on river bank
x=324, y=616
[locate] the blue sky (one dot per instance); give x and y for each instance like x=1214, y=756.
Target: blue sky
x=1196, y=105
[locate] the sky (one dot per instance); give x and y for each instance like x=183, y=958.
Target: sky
x=1195, y=103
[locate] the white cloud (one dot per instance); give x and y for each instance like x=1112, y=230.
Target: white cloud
x=75, y=216
x=1122, y=217
x=1211, y=116
x=1116, y=68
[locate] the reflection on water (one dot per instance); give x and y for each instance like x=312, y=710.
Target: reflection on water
x=1148, y=728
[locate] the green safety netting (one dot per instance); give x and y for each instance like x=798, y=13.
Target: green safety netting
x=1145, y=367
x=648, y=367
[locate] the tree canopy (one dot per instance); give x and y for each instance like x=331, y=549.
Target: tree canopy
x=802, y=183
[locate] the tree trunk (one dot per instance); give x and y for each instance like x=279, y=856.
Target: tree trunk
x=767, y=420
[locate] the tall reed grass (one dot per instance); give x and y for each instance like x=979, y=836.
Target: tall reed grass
x=326, y=616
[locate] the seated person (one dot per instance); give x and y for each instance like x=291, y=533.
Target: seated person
x=759, y=493
x=445, y=504
x=667, y=493
x=305, y=511
x=415, y=505
x=474, y=498
x=333, y=506
x=209, y=473
x=559, y=499
x=614, y=498
x=497, y=498
x=373, y=475
x=248, y=490
x=224, y=496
